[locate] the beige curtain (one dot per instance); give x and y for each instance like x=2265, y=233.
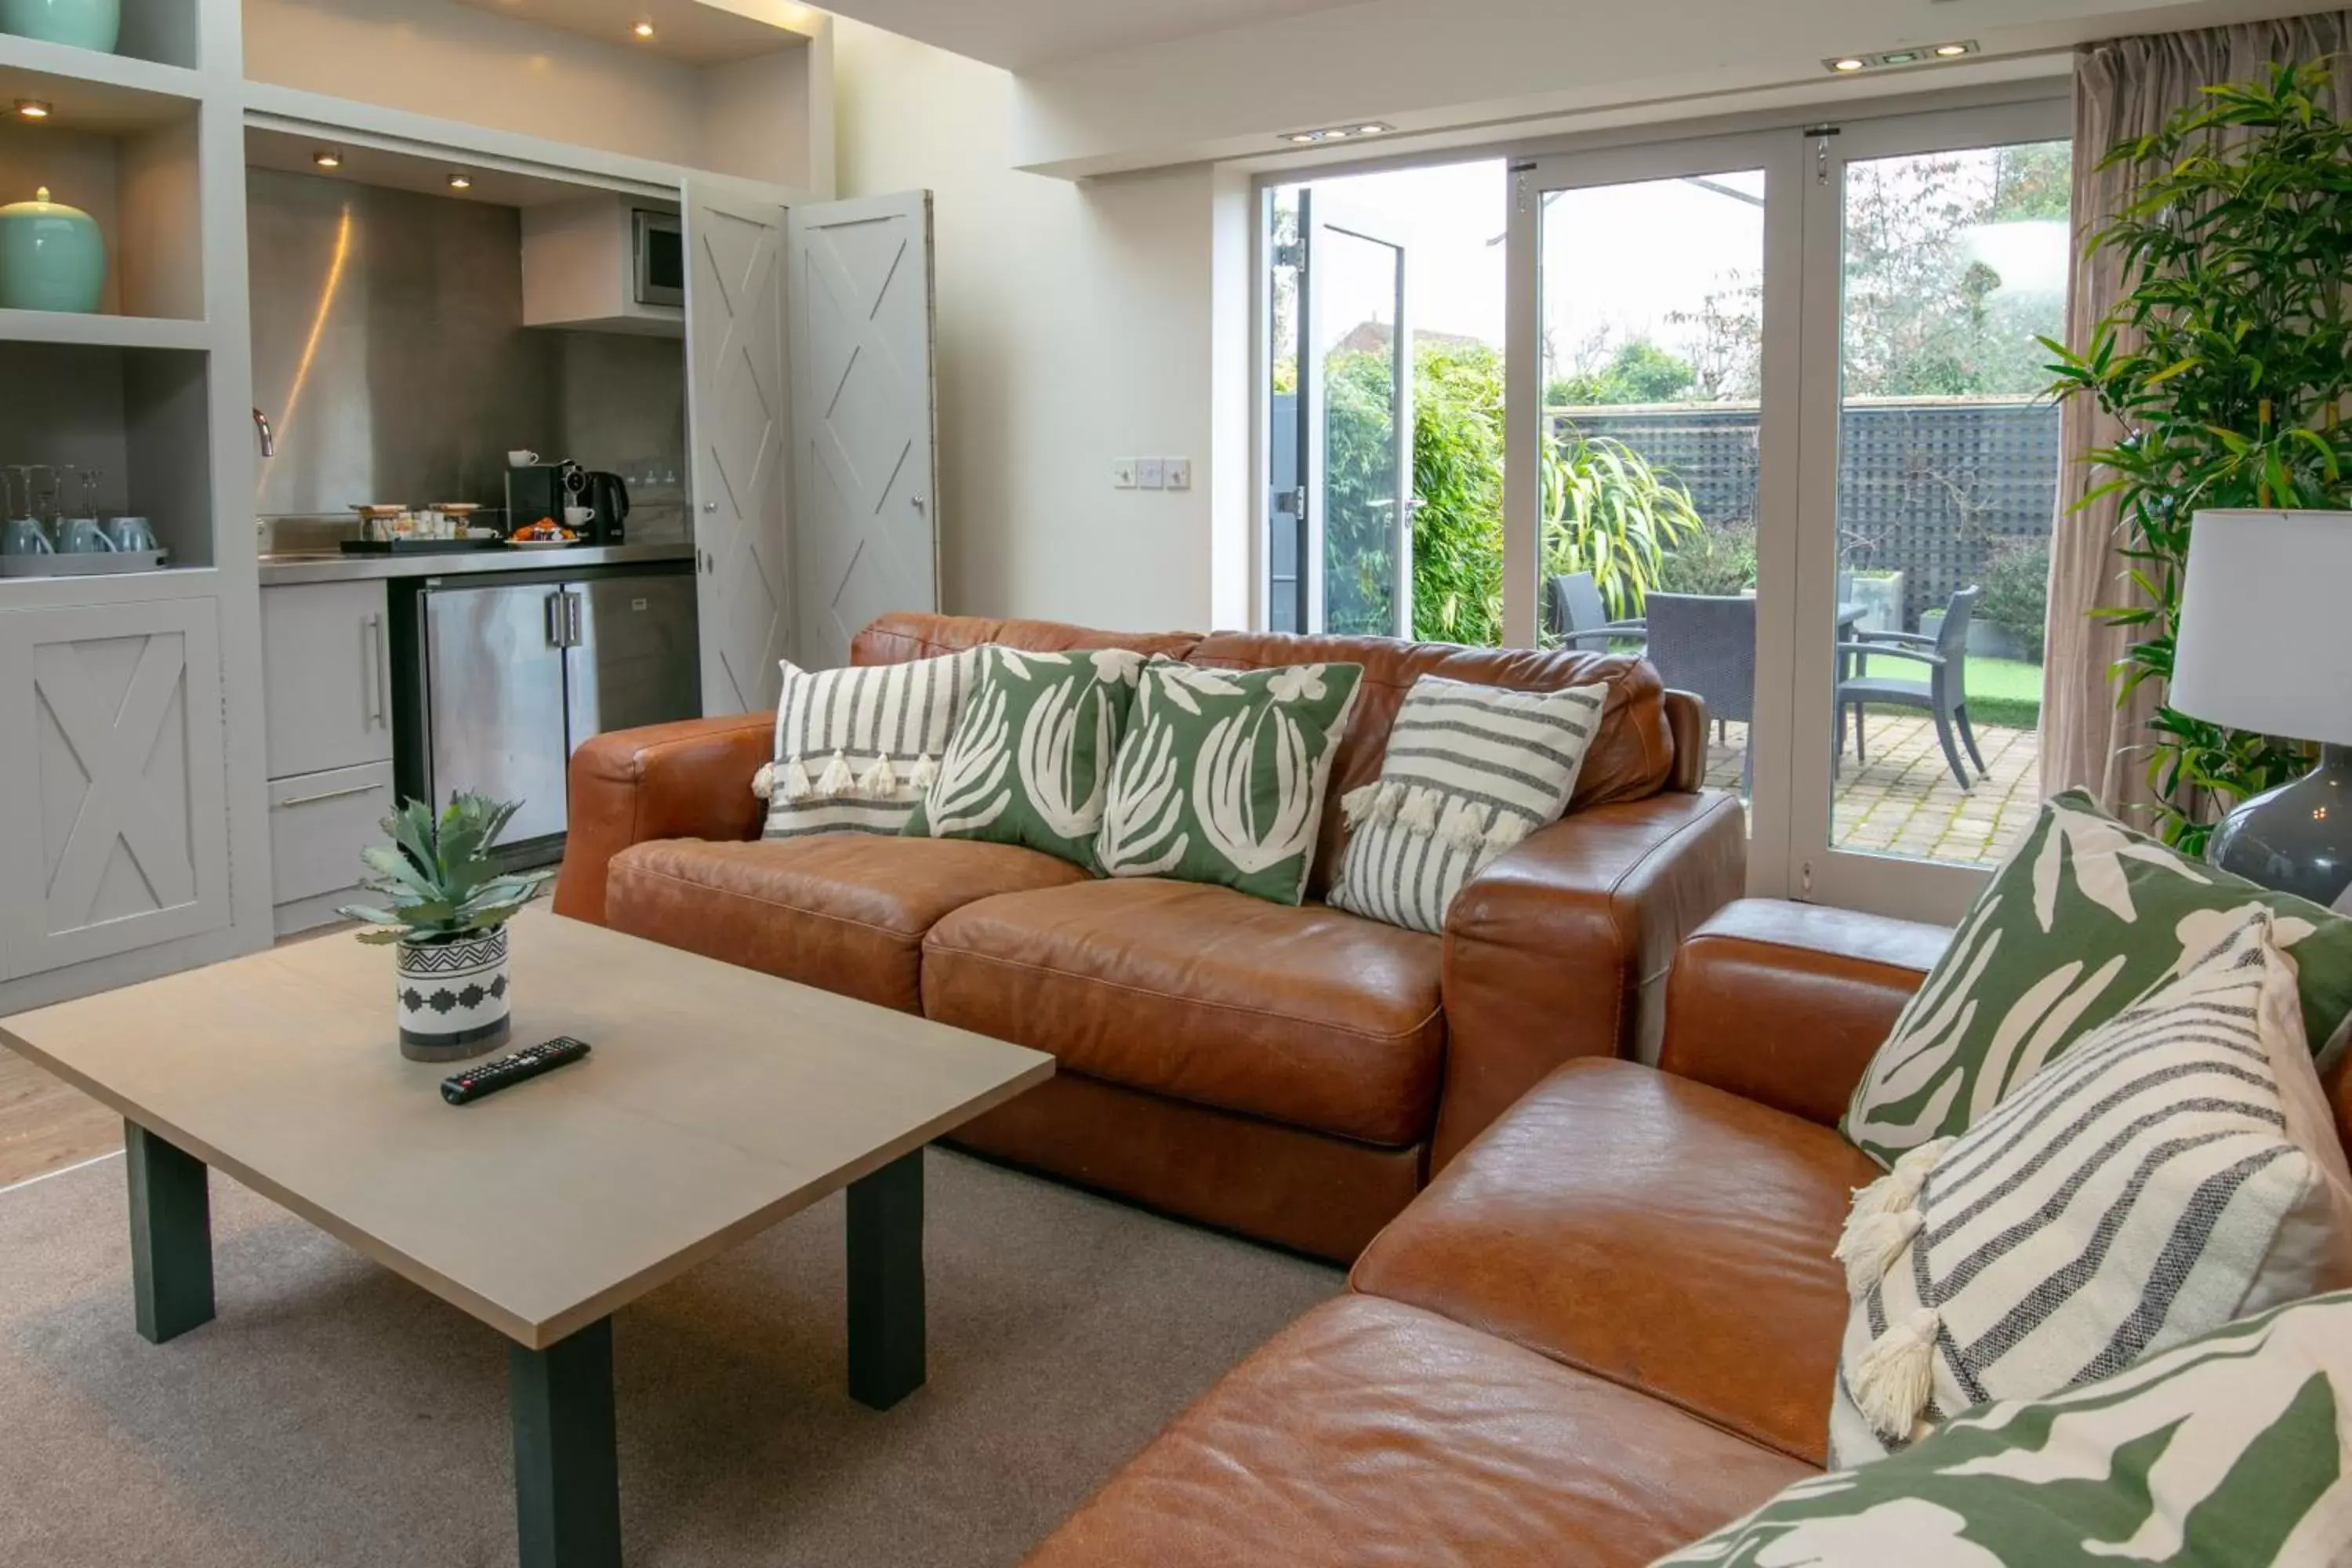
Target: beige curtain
x=2125, y=89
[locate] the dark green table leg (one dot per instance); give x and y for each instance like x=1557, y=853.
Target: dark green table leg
x=171, y=1235
x=885, y=1283
x=567, y=1470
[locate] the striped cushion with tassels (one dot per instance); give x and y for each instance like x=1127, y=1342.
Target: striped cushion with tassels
x=2175, y=1170
x=856, y=748
x=1470, y=771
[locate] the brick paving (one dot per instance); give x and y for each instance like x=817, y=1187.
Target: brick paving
x=1904, y=801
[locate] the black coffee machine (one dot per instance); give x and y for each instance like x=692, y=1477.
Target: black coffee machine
x=608, y=498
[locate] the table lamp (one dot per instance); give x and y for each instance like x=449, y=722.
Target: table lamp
x=2264, y=643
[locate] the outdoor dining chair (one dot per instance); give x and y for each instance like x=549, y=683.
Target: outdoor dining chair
x=1944, y=693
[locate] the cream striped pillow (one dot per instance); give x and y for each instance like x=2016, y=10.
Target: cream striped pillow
x=856, y=748
x=2176, y=1169
x=1470, y=771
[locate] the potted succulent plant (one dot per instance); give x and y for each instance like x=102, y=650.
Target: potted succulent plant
x=445, y=906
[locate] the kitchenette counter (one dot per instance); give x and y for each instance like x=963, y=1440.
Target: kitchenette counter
x=333, y=566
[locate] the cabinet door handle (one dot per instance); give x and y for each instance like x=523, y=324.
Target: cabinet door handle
x=324, y=794
x=380, y=678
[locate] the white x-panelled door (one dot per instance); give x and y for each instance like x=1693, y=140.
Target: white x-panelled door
x=113, y=811
x=736, y=392
x=866, y=539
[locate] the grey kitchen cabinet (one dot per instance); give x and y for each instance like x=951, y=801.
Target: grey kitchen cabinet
x=318, y=825
x=327, y=677
x=114, y=781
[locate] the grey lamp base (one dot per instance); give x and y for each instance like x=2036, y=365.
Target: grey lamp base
x=2297, y=838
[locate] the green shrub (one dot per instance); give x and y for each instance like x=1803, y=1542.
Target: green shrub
x=2017, y=592
x=1719, y=558
x=1607, y=512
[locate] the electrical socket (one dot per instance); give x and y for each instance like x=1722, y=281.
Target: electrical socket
x=1122, y=473
x=1180, y=473
x=1151, y=473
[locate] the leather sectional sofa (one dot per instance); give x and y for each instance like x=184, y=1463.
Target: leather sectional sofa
x=1294, y=1074
x=1610, y=1327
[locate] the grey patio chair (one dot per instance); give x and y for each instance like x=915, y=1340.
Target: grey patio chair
x=1575, y=615
x=1705, y=643
x=1944, y=693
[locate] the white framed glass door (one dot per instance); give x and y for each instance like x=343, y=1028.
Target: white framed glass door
x=1938, y=248
x=1655, y=293
x=1355, y=374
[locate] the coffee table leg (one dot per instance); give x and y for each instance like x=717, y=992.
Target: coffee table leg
x=567, y=1470
x=885, y=1283
x=171, y=1235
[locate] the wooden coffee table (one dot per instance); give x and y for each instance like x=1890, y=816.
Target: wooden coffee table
x=716, y=1102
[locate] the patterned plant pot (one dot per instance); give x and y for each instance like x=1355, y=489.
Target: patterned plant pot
x=452, y=998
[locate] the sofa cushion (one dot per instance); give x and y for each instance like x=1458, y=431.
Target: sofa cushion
x=1370, y=1434
x=1297, y=1012
x=1651, y=1230
x=845, y=912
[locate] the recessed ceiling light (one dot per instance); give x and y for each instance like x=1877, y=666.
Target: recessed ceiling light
x=461, y=181
x=1373, y=130
x=1337, y=132
x=327, y=158
x=642, y=29
x=1850, y=63
x=1896, y=60
x=1950, y=51
x=32, y=109
x=1302, y=137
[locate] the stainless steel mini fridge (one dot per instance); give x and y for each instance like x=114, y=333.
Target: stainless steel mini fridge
x=516, y=674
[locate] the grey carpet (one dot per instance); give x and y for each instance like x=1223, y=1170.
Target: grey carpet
x=335, y=1414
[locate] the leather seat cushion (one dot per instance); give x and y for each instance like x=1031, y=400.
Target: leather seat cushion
x=1306, y=1016
x=846, y=911
x=1649, y=1230
x=1370, y=1434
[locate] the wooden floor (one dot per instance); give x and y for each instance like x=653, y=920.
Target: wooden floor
x=44, y=1126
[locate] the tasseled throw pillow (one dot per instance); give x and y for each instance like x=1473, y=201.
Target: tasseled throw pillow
x=1470, y=771
x=857, y=748
x=2175, y=1170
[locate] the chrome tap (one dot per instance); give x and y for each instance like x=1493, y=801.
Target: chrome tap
x=268, y=436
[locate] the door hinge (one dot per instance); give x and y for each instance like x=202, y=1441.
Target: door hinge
x=1291, y=255
x=1291, y=503
x=1805, y=879
x=1522, y=181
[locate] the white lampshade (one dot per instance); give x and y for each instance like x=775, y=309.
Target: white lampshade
x=2265, y=633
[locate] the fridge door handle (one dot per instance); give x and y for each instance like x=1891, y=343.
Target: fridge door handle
x=557, y=621
x=571, y=618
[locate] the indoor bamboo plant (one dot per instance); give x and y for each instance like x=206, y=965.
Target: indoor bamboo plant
x=2226, y=361
x=446, y=904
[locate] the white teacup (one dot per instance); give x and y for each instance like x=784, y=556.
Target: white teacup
x=579, y=516
x=522, y=459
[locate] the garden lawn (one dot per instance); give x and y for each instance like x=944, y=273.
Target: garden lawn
x=2002, y=691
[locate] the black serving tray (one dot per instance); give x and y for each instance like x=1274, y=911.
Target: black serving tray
x=419, y=546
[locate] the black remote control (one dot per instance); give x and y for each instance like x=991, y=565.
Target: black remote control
x=459, y=1089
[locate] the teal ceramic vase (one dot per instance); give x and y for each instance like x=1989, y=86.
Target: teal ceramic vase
x=84, y=24
x=52, y=257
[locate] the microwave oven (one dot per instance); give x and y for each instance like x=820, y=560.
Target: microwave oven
x=659, y=244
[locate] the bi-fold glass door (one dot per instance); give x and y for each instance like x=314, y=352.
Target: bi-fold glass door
x=1774, y=419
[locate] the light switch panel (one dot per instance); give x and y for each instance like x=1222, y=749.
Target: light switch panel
x=1122, y=473
x=1151, y=473
x=1180, y=473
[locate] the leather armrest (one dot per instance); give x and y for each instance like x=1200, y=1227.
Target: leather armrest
x=1785, y=1004
x=1560, y=948
x=687, y=779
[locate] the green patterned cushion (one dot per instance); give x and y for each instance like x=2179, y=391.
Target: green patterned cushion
x=2235, y=1448
x=1032, y=752
x=2080, y=921
x=1221, y=775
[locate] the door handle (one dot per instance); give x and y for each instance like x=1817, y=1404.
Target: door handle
x=572, y=619
x=380, y=678
x=556, y=619
x=326, y=794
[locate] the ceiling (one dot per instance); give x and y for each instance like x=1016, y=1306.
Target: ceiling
x=692, y=31
x=1019, y=34
x=296, y=154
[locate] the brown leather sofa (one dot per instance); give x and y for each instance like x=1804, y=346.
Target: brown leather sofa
x=1294, y=1074
x=1609, y=1328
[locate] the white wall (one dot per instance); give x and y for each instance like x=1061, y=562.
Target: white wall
x=1075, y=326
x=1428, y=65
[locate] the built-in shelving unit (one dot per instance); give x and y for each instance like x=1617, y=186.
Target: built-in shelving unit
x=154, y=391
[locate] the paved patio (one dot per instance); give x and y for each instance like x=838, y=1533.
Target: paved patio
x=1905, y=802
